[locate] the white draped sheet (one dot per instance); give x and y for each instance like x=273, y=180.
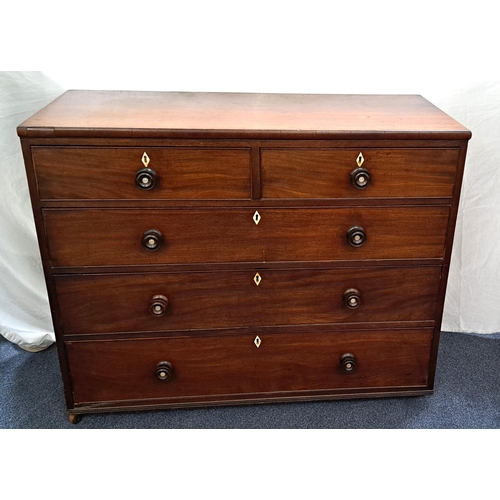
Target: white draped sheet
x=24, y=308
x=473, y=296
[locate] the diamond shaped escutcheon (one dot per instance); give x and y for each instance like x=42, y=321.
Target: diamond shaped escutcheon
x=256, y=217
x=360, y=159
x=257, y=341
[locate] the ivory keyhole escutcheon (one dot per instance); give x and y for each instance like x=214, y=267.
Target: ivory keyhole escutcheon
x=256, y=218
x=257, y=279
x=257, y=341
x=145, y=159
x=360, y=159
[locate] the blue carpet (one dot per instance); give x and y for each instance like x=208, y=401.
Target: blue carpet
x=467, y=396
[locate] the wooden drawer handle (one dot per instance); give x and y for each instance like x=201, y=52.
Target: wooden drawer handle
x=158, y=305
x=348, y=362
x=356, y=236
x=152, y=239
x=145, y=179
x=352, y=298
x=360, y=178
x=164, y=370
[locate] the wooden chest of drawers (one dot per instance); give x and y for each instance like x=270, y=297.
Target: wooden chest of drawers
x=238, y=248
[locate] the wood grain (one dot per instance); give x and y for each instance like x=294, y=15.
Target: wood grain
x=207, y=300
x=125, y=369
x=325, y=173
x=109, y=173
x=222, y=115
x=113, y=237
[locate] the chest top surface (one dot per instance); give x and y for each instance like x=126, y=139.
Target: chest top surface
x=241, y=115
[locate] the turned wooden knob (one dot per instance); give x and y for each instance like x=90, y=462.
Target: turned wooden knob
x=152, y=239
x=164, y=370
x=360, y=178
x=348, y=362
x=158, y=305
x=145, y=179
x=352, y=298
x=356, y=236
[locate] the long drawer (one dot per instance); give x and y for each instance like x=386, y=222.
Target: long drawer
x=114, y=173
x=210, y=300
x=326, y=173
x=230, y=366
x=113, y=237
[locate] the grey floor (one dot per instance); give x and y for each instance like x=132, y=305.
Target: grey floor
x=467, y=396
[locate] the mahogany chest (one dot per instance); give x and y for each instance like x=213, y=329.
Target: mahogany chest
x=217, y=248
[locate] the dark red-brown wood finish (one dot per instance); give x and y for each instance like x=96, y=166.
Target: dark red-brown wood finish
x=214, y=248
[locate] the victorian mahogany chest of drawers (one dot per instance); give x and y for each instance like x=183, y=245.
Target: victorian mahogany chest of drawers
x=211, y=248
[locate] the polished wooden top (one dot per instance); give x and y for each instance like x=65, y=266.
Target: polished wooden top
x=235, y=115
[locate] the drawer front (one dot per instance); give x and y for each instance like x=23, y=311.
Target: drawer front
x=210, y=300
x=107, y=237
x=326, y=173
x=225, y=366
x=110, y=173
x=205, y=300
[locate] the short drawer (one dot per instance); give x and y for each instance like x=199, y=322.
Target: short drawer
x=113, y=237
x=115, y=173
x=230, y=366
x=232, y=299
x=331, y=173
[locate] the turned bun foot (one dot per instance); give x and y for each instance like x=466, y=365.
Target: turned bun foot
x=74, y=418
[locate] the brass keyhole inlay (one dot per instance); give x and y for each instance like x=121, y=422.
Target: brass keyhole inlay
x=256, y=217
x=145, y=159
x=257, y=341
x=360, y=160
x=257, y=279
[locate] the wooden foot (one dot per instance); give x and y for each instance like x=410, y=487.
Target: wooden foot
x=74, y=418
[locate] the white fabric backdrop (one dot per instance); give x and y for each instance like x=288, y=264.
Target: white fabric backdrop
x=437, y=49
x=473, y=295
x=24, y=310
